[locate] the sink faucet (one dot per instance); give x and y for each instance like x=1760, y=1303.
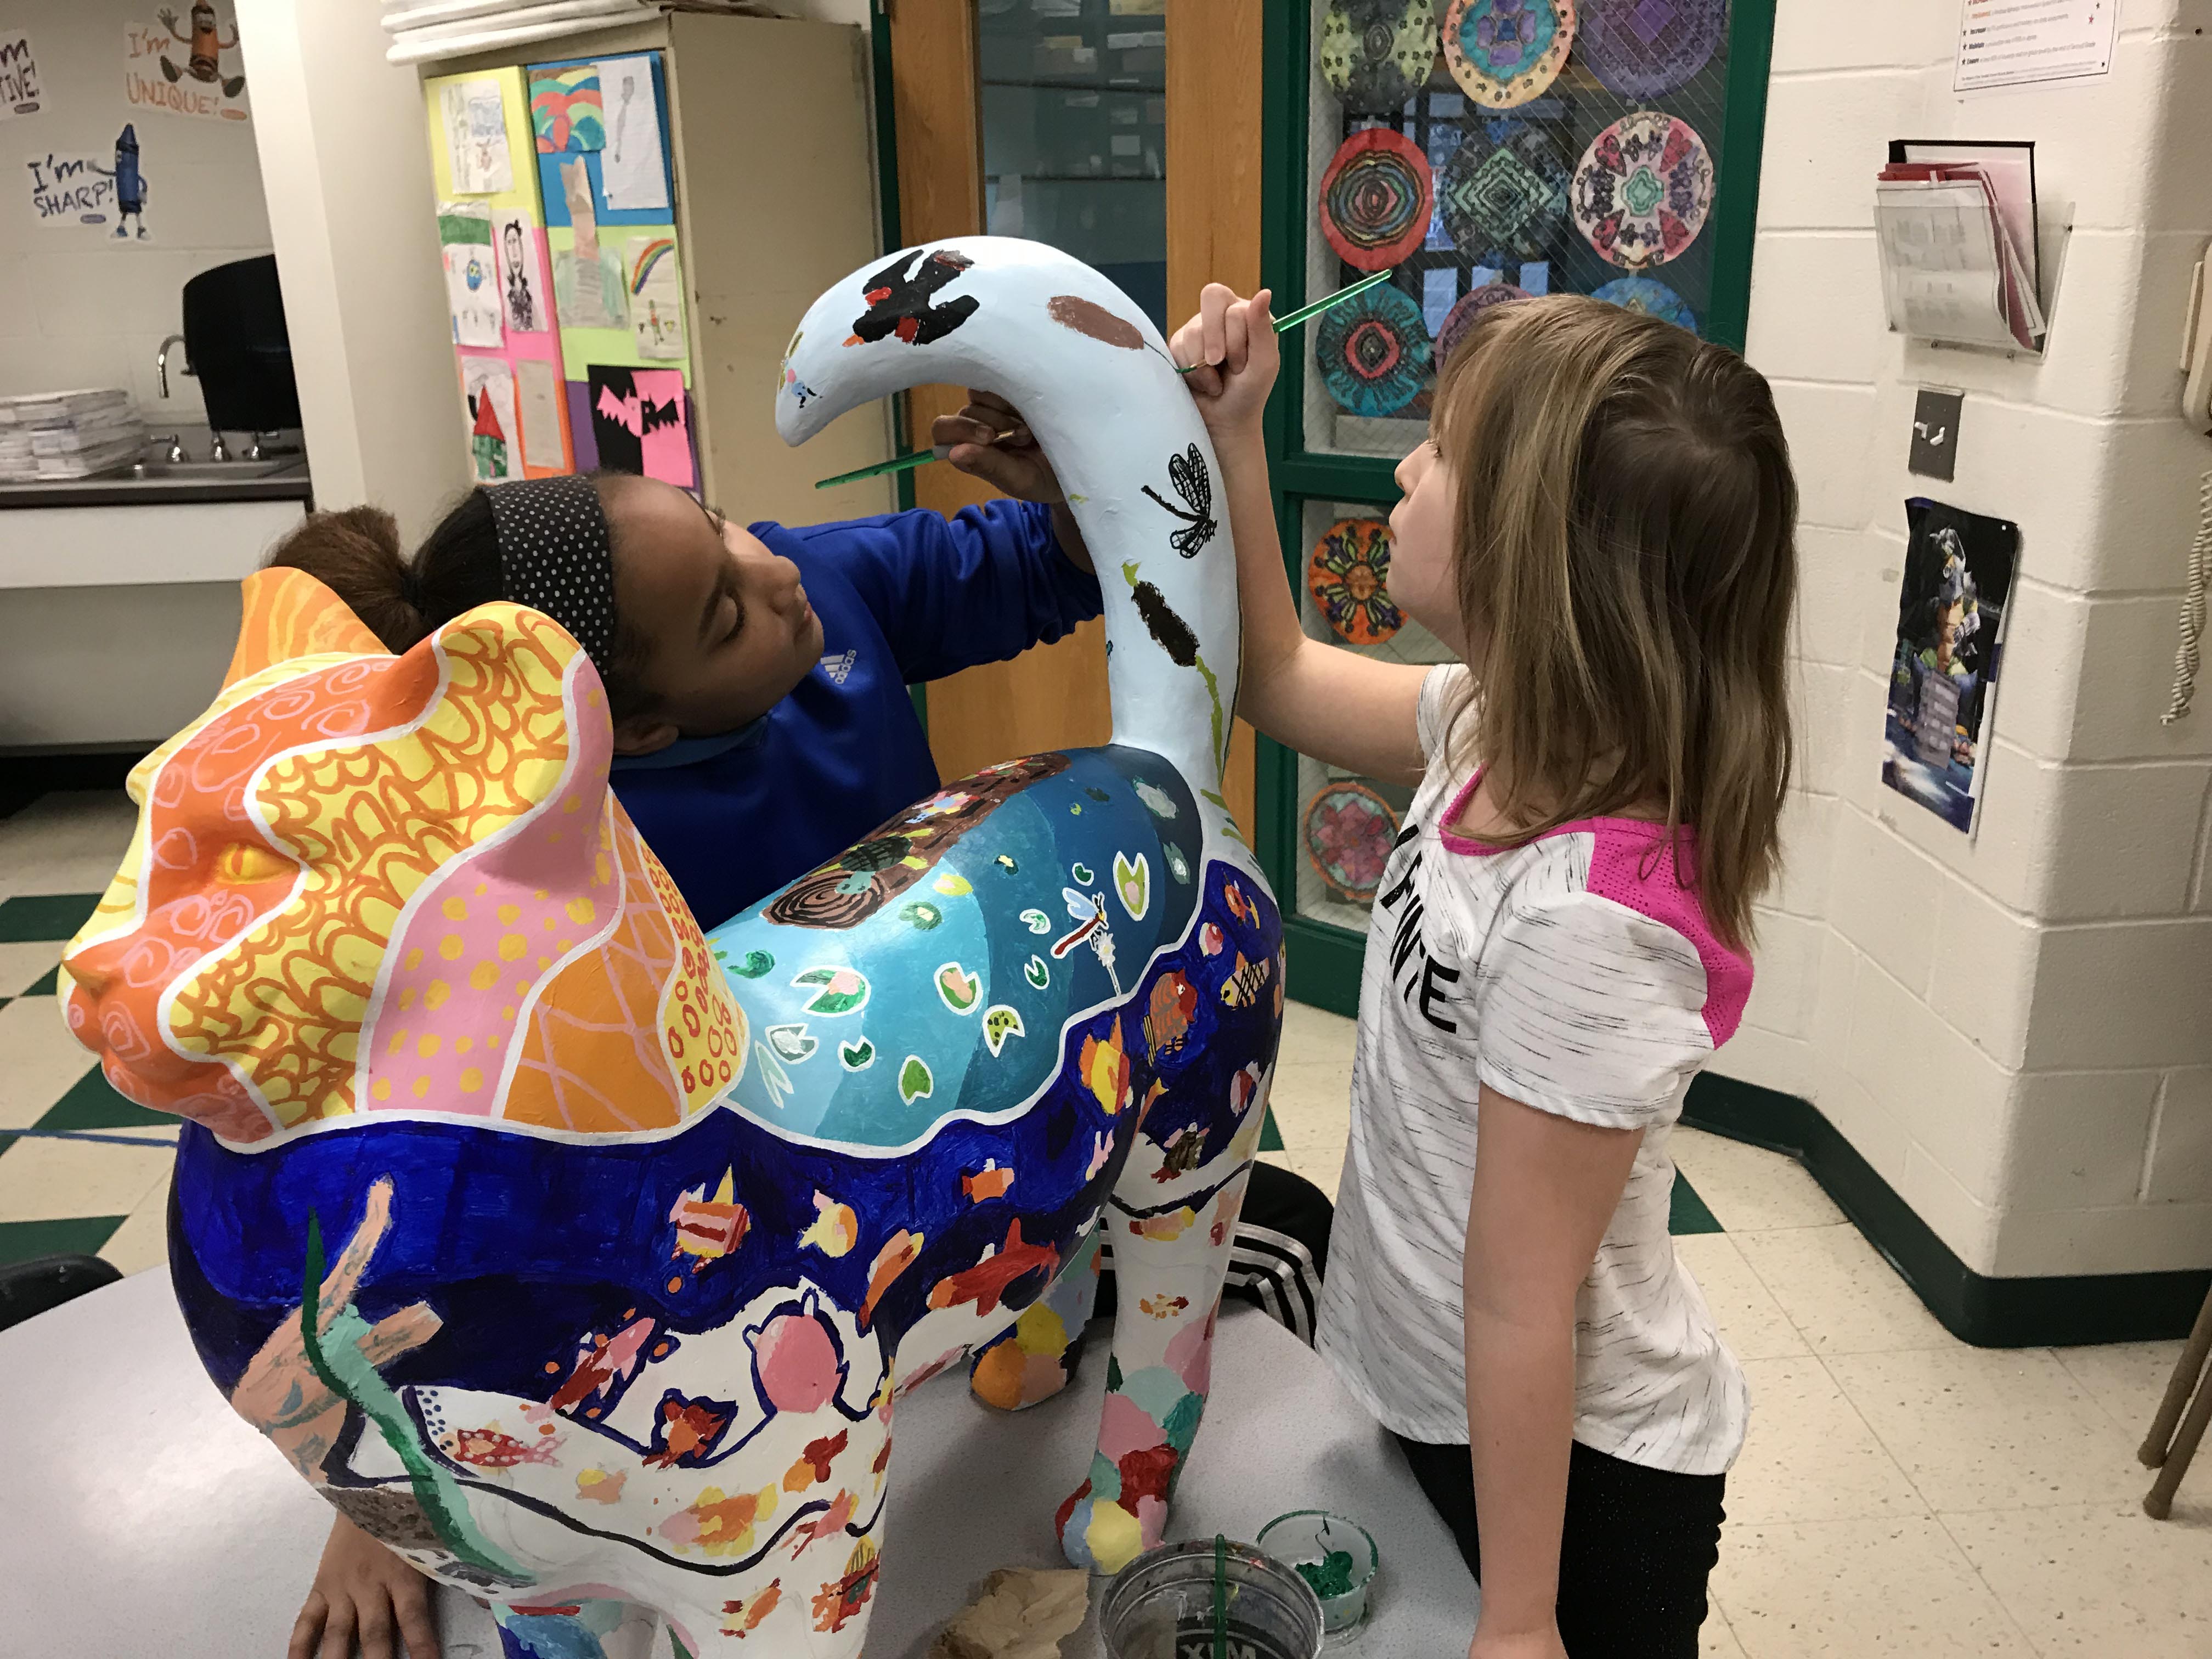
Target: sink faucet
x=162, y=361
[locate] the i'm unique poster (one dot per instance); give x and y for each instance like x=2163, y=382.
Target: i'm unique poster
x=1943, y=670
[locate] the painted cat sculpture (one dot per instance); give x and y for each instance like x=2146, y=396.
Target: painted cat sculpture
x=581, y=1257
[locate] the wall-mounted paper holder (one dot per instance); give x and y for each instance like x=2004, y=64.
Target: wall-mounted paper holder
x=1961, y=237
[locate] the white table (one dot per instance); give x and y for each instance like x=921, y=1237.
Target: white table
x=142, y=1516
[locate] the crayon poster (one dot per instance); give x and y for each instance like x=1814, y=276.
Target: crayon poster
x=187, y=65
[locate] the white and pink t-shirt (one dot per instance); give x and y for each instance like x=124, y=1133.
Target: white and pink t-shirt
x=1574, y=974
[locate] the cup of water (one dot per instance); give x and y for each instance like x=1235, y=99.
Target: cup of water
x=1335, y=1557
x=1209, y=1599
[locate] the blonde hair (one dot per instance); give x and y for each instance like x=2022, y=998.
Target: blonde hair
x=1625, y=559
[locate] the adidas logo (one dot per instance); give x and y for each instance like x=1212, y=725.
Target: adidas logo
x=839, y=667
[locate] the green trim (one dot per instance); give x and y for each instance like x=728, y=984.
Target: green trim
x=1325, y=964
x=1989, y=1313
x=1736, y=210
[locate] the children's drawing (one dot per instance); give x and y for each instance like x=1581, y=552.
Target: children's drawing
x=475, y=120
x=655, y=297
x=522, y=279
x=472, y=280
x=495, y=434
x=639, y=420
x=580, y=1257
x=1950, y=635
x=565, y=112
x=631, y=173
x=537, y=407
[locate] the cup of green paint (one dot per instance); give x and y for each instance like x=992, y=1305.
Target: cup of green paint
x=1209, y=1599
x=1336, y=1558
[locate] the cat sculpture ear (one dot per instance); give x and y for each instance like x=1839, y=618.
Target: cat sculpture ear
x=288, y=614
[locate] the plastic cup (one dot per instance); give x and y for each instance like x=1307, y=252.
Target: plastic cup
x=1335, y=1557
x=1161, y=1607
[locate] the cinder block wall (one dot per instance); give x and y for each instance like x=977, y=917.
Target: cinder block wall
x=2015, y=1032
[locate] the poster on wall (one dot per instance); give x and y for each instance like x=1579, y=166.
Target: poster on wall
x=69, y=188
x=1943, y=672
x=521, y=278
x=565, y=113
x=472, y=287
x=19, y=88
x=186, y=66
x=494, y=435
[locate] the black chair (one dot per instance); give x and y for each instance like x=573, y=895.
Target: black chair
x=28, y=1288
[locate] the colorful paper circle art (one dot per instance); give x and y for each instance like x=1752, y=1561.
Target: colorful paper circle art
x=1349, y=829
x=1504, y=52
x=1375, y=199
x=1349, y=577
x=1373, y=352
x=1643, y=49
x=1462, y=315
x=1504, y=192
x=1641, y=293
x=1376, y=54
x=1643, y=189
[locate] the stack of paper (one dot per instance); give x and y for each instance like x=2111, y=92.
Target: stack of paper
x=68, y=434
x=1956, y=227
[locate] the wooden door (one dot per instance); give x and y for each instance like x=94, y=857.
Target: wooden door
x=1055, y=697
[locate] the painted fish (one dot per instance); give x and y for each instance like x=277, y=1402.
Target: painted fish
x=987, y=1182
x=828, y=1524
x=741, y=1618
x=836, y=1228
x=1245, y=982
x=1167, y=1020
x=1183, y=1151
x=489, y=1448
x=1163, y=1307
x=813, y=1465
x=893, y=1259
x=988, y=1280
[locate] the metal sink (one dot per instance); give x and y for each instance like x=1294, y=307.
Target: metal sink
x=208, y=472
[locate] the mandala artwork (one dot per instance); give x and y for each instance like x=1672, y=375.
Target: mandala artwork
x=1376, y=54
x=1644, y=49
x=1375, y=199
x=1373, y=352
x=1504, y=52
x=1349, y=829
x=1504, y=193
x=1650, y=298
x=1644, y=190
x=1463, y=316
x=1349, y=577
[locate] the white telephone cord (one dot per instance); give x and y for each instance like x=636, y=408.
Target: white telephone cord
x=2185, y=656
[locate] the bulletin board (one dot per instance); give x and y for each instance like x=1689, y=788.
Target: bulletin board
x=498, y=290
x=1478, y=150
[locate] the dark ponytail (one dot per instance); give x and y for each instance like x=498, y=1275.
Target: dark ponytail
x=355, y=553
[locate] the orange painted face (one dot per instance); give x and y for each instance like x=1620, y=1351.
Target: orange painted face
x=369, y=882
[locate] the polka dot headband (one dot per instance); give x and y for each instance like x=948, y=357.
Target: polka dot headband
x=555, y=555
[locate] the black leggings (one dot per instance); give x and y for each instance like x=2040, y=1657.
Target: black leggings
x=1637, y=1548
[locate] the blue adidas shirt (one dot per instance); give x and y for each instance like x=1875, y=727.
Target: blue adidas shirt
x=907, y=598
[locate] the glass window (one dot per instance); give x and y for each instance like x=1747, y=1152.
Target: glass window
x=1075, y=134
x=1556, y=149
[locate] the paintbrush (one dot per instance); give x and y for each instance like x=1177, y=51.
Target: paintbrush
x=912, y=458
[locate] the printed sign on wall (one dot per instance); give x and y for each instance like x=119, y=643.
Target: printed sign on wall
x=19, y=91
x=186, y=68
x=71, y=188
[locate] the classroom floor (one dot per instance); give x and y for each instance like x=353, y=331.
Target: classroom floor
x=1901, y=1493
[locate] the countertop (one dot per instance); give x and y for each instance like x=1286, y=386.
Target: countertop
x=190, y=484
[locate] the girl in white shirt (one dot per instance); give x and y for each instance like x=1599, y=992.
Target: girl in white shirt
x=1601, y=527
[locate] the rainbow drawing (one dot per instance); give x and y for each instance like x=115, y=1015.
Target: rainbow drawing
x=647, y=256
